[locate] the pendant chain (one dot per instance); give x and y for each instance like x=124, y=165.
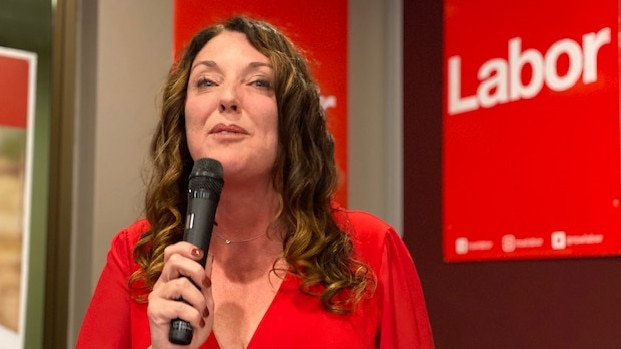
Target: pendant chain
x=229, y=241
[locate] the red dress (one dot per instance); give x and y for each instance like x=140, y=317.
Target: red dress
x=395, y=317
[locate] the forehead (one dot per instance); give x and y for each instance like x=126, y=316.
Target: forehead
x=230, y=45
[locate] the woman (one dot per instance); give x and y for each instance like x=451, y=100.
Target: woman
x=287, y=267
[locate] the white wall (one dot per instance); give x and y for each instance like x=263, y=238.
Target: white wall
x=125, y=51
x=124, y=54
x=375, y=108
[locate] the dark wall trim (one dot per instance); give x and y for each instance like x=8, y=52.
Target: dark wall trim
x=61, y=176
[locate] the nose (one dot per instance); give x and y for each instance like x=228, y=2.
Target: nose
x=224, y=106
x=229, y=100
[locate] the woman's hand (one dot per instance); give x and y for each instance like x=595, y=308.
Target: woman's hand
x=181, y=259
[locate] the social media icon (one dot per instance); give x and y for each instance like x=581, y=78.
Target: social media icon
x=559, y=240
x=508, y=243
x=461, y=245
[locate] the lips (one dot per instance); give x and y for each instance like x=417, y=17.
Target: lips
x=227, y=129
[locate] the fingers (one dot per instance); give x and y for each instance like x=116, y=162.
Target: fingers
x=180, y=260
x=162, y=310
x=183, y=248
x=181, y=278
x=180, y=289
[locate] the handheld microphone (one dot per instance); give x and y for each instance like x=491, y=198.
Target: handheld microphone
x=204, y=187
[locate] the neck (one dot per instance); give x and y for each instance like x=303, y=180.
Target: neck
x=246, y=212
x=246, y=219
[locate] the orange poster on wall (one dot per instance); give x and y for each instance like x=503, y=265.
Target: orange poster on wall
x=317, y=27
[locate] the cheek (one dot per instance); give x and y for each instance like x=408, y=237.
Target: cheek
x=196, y=112
x=272, y=128
x=194, y=122
x=274, y=140
x=190, y=123
x=191, y=113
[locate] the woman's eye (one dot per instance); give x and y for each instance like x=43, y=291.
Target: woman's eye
x=205, y=82
x=261, y=83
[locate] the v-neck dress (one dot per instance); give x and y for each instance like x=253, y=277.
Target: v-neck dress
x=394, y=317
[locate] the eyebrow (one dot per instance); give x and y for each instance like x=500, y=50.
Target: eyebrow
x=260, y=64
x=213, y=64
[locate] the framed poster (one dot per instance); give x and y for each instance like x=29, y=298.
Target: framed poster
x=531, y=146
x=17, y=96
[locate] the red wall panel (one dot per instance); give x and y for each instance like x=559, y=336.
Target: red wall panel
x=527, y=303
x=531, y=129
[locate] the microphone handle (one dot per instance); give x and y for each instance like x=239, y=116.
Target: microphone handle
x=198, y=227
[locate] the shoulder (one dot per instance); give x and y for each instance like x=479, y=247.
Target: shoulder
x=127, y=237
x=370, y=234
x=360, y=222
x=120, y=259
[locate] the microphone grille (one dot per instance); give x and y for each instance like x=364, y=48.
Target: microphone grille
x=206, y=174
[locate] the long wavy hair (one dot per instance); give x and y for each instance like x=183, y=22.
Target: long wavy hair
x=304, y=175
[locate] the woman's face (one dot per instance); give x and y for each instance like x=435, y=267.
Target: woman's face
x=230, y=110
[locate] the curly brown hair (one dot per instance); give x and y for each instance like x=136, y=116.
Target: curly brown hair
x=304, y=175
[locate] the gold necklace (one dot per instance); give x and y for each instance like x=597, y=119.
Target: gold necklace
x=229, y=241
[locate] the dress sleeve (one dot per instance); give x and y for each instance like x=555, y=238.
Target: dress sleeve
x=107, y=320
x=404, y=319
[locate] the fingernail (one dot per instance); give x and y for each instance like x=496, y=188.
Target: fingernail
x=202, y=323
x=207, y=282
x=206, y=312
x=197, y=252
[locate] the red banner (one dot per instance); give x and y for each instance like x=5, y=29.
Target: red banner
x=317, y=27
x=531, y=129
x=14, y=84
